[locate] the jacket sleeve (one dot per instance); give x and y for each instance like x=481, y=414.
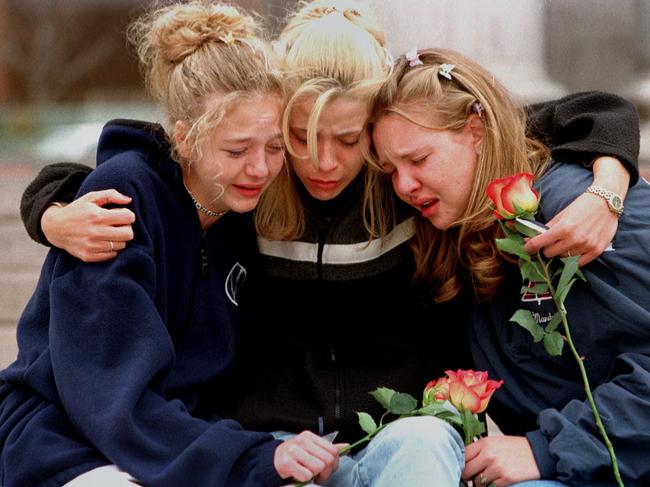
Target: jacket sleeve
x=55, y=182
x=568, y=447
x=111, y=353
x=609, y=316
x=584, y=125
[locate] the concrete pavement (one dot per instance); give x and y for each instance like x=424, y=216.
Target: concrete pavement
x=20, y=257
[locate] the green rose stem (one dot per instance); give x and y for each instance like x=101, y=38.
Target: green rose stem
x=565, y=324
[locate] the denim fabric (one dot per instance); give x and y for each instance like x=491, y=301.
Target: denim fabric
x=409, y=452
x=540, y=483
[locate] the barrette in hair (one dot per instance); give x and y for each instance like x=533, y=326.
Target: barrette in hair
x=445, y=70
x=477, y=107
x=413, y=57
x=228, y=39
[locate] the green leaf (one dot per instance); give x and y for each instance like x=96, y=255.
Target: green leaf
x=433, y=409
x=525, y=319
x=367, y=423
x=531, y=271
x=562, y=294
x=569, y=270
x=510, y=233
x=383, y=395
x=555, y=321
x=538, y=288
x=524, y=230
x=402, y=403
x=512, y=247
x=553, y=343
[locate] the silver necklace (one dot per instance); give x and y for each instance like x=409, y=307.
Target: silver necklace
x=202, y=208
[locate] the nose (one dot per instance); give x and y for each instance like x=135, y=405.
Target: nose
x=326, y=156
x=404, y=183
x=257, y=166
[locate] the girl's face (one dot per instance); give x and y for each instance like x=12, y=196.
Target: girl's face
x=242, y=155
x=339, y=153
x=432, y=170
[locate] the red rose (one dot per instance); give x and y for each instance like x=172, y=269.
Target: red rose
x=513, y=196
x=471, y=391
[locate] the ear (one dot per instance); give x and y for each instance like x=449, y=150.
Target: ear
x=477, y=130
x=182, y=144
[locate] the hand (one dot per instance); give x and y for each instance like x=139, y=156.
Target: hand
x=88, y=231
x=585, y=228
x=306, y=456
x=503, y=460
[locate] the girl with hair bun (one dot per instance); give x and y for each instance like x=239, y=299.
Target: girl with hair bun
x=118, y=359
x=336, y=267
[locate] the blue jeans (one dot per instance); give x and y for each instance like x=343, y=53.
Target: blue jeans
x=540, y=483
x=409, y=452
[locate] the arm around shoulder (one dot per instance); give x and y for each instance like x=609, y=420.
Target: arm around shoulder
x=54, y=183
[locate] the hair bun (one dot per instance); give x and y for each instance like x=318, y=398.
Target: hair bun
x=187, y=27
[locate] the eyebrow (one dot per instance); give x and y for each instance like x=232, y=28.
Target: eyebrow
x=240, y=140
x=344, y=133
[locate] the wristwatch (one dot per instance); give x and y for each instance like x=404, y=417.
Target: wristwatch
x=614, y=201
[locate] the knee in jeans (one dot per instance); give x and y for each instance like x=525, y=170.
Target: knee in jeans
x=425, y=430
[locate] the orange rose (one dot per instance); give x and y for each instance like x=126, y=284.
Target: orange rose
x=471, y=391
x=513, y=196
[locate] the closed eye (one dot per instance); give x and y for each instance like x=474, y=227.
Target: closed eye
x=235, y=153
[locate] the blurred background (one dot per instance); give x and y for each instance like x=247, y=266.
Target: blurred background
x=65, y=70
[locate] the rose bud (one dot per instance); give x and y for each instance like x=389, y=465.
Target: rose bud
x=436, y=390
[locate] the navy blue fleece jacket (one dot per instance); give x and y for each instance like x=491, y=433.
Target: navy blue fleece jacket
x=609, y=316
x=116, y=358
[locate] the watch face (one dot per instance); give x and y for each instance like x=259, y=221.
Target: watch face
x=616, y=203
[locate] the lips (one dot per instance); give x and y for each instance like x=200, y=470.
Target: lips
x=324, y=185
x=427, y=206
x=249, y=190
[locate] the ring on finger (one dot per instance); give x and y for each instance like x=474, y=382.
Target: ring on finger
x=481, y=478
x=112, y=246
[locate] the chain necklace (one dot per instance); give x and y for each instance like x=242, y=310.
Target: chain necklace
x=200, y=207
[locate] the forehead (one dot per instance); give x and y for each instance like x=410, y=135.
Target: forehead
x=393, y=135
x=338, y=115
x=251, y=117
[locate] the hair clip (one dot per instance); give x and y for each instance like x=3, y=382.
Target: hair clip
x=445, y=70
x=413, y=57
x=228, y=39
x=477, y=107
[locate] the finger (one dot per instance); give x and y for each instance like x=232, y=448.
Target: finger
x=95, y=256
x=474, y=462
x=117, y=245
x=122, y=233
x=115, y=216
x=558, y=249
x=108, y=196
x=587, y=258
x=534, y=244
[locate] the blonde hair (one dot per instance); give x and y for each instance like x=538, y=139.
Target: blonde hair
x=330, y=49
x=425, y=97
x=192, y=51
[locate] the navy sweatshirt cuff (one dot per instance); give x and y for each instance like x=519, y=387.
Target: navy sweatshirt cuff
x=541, y=451
x=267, y=469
